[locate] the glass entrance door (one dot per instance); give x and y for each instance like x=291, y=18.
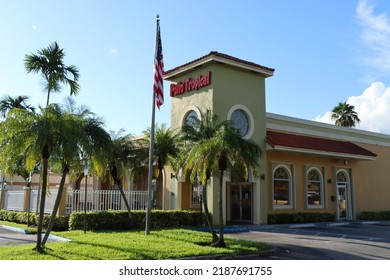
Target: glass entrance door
x=342, y=200
x=241, y=202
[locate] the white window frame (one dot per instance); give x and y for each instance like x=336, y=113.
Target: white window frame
x=290, y=191
x=321, y=191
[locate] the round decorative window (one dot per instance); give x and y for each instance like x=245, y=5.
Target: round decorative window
x=191, y=118
x=240, y=121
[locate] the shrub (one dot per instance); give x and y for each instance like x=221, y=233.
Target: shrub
x=372, y=216
x=302, y=217
x=61, y=223
x=115, y=220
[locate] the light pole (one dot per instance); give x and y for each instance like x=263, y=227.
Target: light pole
x=85, y=195
x=29, y=199
x=200, y=193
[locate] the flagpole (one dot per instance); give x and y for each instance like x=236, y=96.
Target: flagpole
x=151, y=150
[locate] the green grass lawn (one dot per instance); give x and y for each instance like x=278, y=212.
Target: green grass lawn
x=128, y=245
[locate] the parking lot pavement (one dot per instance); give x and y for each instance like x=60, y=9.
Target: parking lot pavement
x=13, y=236
x=330, y=241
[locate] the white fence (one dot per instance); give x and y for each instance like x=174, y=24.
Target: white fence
x=94, y=200
x=100, y=200
x=14, y=200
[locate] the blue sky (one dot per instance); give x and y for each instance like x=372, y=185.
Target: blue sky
x=323, y=52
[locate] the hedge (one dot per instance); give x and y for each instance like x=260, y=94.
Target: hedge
x=371, y=215
x=302, y=217
x=119, y=220
x=110, y=220
x=61, y=223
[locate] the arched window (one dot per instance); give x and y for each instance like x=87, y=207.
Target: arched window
x=314, y=189
x=240, y=121
x=282, y=192
x=191, y=118
x=342, y=177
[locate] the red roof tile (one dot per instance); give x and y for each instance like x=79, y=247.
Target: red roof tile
x=225, y=56
x=275, y=138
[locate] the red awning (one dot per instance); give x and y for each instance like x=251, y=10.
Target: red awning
x=316, y=145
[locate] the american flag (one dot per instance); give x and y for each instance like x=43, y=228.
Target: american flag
x=158, y=87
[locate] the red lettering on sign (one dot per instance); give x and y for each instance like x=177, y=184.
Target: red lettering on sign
x=190, y=84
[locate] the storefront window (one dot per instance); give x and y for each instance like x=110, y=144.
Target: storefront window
x=281, y=187
x=314, y=187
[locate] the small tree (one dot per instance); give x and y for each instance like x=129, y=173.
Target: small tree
x=214, y=146
x=165, y=150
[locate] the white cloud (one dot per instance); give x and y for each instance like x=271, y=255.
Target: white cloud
x=326, y=118
x=376, y=36
x=35, y=27
x=113, y=51
x=372, y=107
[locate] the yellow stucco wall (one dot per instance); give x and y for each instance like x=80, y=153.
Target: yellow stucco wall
x=371, y=179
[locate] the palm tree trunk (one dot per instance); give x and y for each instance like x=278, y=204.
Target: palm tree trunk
x=45, y=160
x=48, y=97
x=221, y=241
x=125, y=200
x=207, y=214
x=56, y=205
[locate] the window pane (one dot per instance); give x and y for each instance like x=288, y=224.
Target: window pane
x=240, y=121
x=341, y=177
x=314, y=193
x=281, y=173
x=313, y=175
x=192, y=118
x=281, y=192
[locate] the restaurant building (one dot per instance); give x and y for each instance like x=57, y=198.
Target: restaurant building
x=306, y=166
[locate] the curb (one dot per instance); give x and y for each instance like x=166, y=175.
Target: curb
x=20, y=230
x=25, y=231
x=308, y=225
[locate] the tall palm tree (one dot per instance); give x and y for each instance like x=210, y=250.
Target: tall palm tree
x=49, y=62
x=165, y=149
x=223, y=148
x=7, y=103
x=345, y=115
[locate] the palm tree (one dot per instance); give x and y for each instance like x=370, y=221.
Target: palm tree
x=345, y=115
x=223, y=148
x=165, y=150
x=188, y=161
x=123, y=156
x=32, y=134
x=82, y=136
x=7, y=103
x=49, y=62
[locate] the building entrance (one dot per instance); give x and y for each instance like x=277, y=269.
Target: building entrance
x=342, y=201
x=240, y=202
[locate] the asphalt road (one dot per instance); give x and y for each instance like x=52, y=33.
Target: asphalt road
x=354, y=241
x=12, y=236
